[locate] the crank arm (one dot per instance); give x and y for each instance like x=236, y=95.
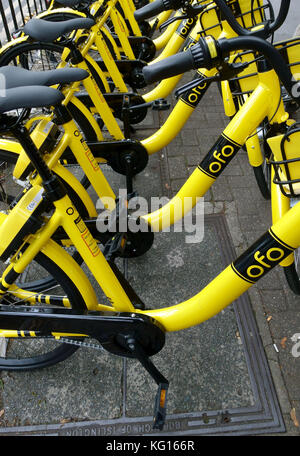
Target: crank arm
x=163, y=384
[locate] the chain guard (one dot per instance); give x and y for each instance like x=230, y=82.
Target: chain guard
x=112, y=330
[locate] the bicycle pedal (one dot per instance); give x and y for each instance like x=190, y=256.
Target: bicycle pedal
x=160, y=405
x=114, y=247
x=160, y=105
x=160, y=409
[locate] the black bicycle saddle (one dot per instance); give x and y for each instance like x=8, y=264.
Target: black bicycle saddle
x=18, y=77
x=29, y=97
x=47, y=31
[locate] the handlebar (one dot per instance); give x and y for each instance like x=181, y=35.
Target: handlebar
x=158, y=6
x=210, y=53
x=264, y=32
x=155, y=8
x=197, y=56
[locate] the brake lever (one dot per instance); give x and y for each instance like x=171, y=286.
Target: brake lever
x=189, y=11
x=170, y=21
x=226, y=71
x=192, y=84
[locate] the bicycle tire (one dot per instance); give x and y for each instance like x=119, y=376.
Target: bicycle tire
x=292, y=278
x=262, y=177
x=48, y=281
x=62, y=350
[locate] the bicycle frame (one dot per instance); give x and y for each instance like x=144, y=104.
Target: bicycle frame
x=264, y=102
x=269, y=251
x=261, y=104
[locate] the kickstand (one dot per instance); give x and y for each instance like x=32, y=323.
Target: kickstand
x=163, y=384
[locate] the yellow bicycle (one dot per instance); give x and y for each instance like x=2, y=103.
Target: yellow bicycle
x=27, y=231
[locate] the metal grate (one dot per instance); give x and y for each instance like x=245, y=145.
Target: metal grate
x=14, y=14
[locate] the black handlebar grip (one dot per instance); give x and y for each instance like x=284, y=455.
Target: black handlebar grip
x=155, y=8
x=171, y=66
x=197, y=56
x=150, y=10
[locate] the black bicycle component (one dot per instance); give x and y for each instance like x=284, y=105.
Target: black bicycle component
x=114, y=247
x=157, y=7
x=19, y=77
x=28, y=97
x=225, y=47
x=209, y=53
x=131, y=71
x=198, y=56
x=140, y=3
x=97, y=325
x=136, y=243
x=138, y=237
x=226, y=71
x=161, y=396
x=156, y=105
x=49, y=31
x=132, y=114
x=131, y=293
x=136, y=78
x=142, y=46
x=264, y=32
x=147, y=29
x=160, y=407
x=189, y=11
x=128, y=335
x=116, y=153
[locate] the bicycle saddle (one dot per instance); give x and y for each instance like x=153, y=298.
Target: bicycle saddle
x=29, y=97
x=47, y=31
x=18, y=77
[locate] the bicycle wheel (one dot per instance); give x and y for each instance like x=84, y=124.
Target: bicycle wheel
x=35, y=353
x=262, y=173
x=292, y=274
x=263, y=179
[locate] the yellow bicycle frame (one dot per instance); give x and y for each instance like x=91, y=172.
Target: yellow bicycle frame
x=264, y=102
x=271, y=249
x=73, y=140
